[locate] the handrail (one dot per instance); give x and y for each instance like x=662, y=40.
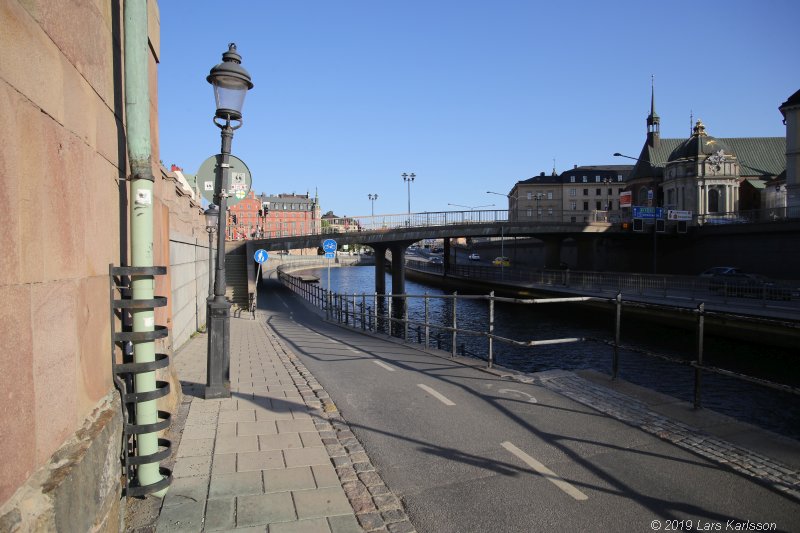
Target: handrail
x=386, y=317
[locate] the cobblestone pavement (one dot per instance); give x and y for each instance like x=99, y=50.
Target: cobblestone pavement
x=276, y=456
x=636, y=413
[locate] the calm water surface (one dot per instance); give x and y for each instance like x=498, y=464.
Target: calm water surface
x=762, y=406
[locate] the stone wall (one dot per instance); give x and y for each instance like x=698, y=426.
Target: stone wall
x=63, y=168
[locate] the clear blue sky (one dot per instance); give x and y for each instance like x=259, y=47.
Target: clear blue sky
x=469, y=95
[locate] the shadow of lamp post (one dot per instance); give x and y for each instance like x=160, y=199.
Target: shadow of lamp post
x=231, y=83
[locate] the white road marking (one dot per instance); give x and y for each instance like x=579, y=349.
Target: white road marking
x=384, y=365
x=531, y=399
x=546, y=472
x=435, y=394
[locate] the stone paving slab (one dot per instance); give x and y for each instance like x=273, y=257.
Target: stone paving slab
x=263, y=460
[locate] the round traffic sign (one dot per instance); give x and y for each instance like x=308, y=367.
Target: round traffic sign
x=329, y=245
x=261, y=256
x=239, y=176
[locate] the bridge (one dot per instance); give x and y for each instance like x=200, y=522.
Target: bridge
x=396, y=232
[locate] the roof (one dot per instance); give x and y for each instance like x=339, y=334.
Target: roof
x=758, y=184
x=791, y=101
x=757, y=156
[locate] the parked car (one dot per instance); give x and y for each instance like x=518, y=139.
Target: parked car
x=436, y=261
x=501, y=261
x=720, y=270
x=751, y=286
x=474, y=256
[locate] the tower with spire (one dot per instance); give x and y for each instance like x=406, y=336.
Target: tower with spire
x=653, y=120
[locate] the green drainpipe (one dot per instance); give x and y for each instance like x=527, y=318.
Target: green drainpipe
x=137, y=115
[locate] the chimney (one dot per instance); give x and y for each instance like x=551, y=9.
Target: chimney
x=541, y=174
x=574, y=166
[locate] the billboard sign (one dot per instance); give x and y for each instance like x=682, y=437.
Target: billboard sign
x=625, y=199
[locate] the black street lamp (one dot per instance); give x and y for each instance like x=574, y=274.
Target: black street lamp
x=408, y=178
x=652, y=193
x=372, y=198
x=212, y=222
x=231, y=83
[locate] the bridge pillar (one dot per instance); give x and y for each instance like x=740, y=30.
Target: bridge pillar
x=398, y=268
x=446, y=257
x=552, y=252
x=380, y=269
x=586, y=253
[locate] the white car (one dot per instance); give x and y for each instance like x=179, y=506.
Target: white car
x=474, y=256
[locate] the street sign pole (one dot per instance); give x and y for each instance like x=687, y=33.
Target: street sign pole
x=329, y=246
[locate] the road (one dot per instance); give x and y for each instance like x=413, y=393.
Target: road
x=471, y=451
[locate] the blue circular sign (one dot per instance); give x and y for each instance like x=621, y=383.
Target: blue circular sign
x=329, y=245
x=261, y=256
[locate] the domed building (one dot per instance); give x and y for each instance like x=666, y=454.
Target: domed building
x=710, y=176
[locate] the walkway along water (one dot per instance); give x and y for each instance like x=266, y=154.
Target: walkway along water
x=660, y=358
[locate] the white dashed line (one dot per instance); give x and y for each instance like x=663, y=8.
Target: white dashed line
x=384, y=365
x=546, y=472
x=435, y=394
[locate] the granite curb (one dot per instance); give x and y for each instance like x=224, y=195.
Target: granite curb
x=635, y=413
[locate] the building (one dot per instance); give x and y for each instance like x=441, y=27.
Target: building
x=790, y=110
x=709, y=176
x=581, y=194
x=267, y=216
x=335, y=224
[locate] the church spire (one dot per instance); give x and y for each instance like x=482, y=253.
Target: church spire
x=653, y=120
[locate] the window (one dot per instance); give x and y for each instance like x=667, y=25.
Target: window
x=598, y=205
x=586, y=192
x=530, y=194
x=549, y=195
x=529, y=213
x=572, y=179
x=573, y=206
x=619, y=177
x=584, y=179
x=597, y=179
x=572, y=219
x=573, y=192
x=598, y=192
x=585, y=206
x=549, y=211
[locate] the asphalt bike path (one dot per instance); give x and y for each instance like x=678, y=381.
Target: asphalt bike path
x=470, y=450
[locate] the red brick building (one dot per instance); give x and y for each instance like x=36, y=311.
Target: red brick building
x=273, y=216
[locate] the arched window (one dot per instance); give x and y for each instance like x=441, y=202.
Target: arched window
x=713, y=201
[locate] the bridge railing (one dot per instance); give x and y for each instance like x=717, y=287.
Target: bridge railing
x=389, y=314
x=378, y=223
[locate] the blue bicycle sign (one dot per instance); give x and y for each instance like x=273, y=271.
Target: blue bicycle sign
x=329, y=246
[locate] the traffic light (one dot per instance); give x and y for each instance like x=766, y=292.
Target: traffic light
x=260, y=213
x=233, y=217
x=638, y=224
x=661, y=226
x=683, y=226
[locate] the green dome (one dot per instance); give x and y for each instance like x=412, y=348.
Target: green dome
x=699, y=146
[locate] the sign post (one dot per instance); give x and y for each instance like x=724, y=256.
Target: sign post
x=260, y=257
x=329, y=247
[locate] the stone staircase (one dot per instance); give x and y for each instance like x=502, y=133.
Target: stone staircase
x=236, y=279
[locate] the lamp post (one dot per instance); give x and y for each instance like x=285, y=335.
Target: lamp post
x=372, y=198
x=212, y=222
x=231, y=83
x=473, y=207
x=408, y=178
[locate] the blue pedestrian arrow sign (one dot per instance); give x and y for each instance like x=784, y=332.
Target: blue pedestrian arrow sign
x=261, y=256
x=329, y=246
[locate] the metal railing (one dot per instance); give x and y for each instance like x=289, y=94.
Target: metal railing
x=777, y=295
x=388, y=314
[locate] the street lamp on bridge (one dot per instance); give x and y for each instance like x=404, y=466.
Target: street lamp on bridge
x=408, y=178
x=652, y=195
x=471, y=208
x=372, y=198
x=231, y=83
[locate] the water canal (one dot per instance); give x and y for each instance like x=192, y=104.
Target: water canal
x=762, y=406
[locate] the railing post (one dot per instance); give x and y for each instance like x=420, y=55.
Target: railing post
x=355, y=313
x=698, y=376
x=375, y=310
x=617, y=325
x=363, y=311
x=490, y=358
x=427, y=328
x=455, y=323
x=405, y=319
